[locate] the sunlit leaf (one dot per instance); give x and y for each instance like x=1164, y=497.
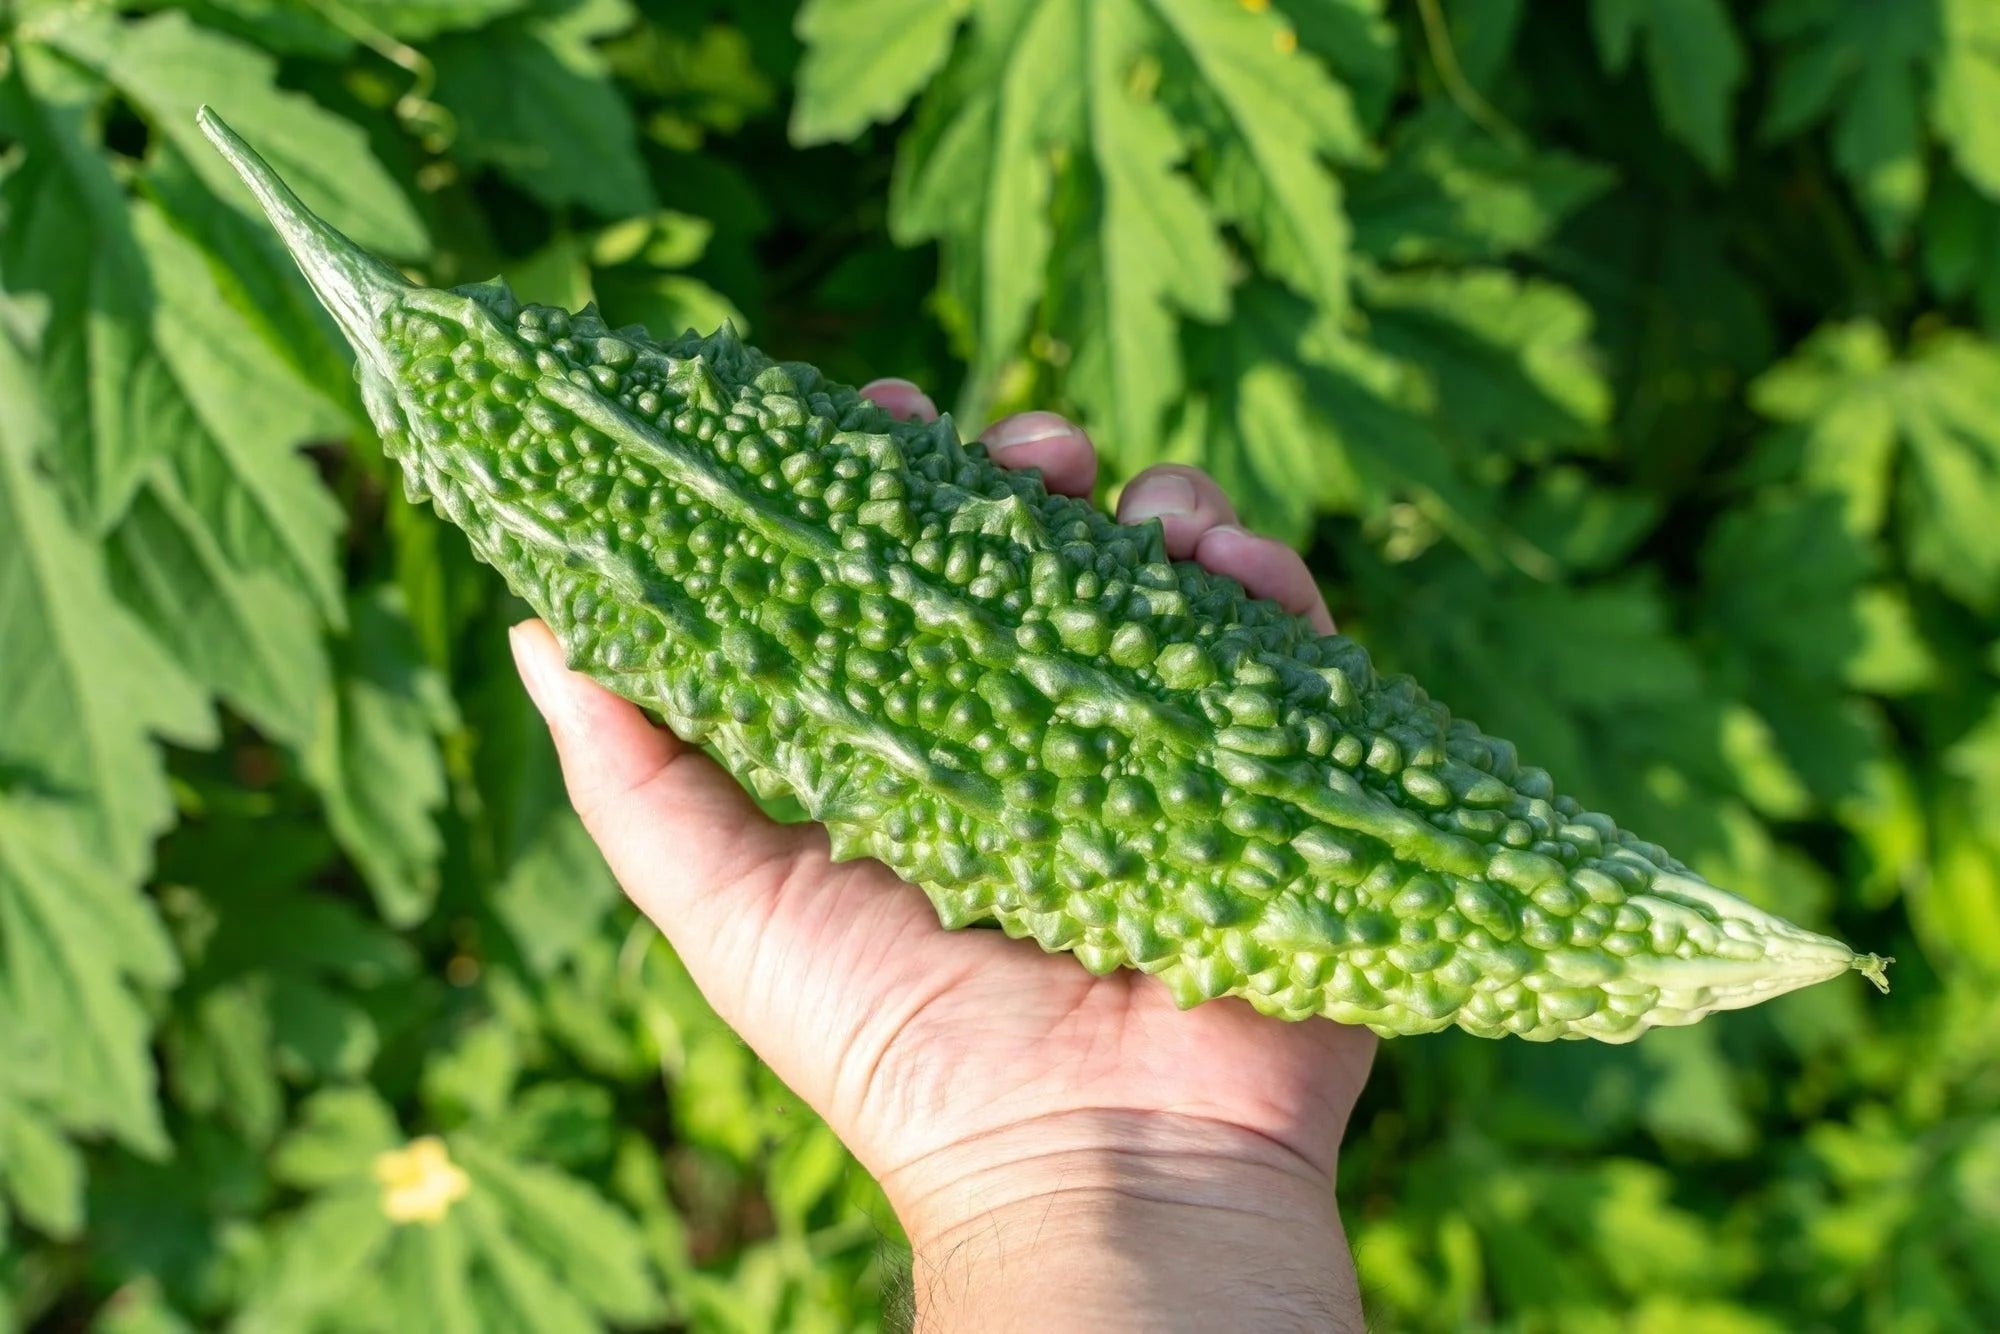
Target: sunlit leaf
x=1694, y=60
x=532, y=99
x=1917, y=435
x=1449, y=190
x=76, y=945
x=375, y=758
x=1079, y=164
x=1511, y=361
x=87, y=689
x=67, y=241
x=1292, y=420
x=167, y=67
x=865, y=60
x=452, y=1231
x=1863, y=68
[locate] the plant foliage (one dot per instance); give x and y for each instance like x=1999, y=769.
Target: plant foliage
x=1634, y=380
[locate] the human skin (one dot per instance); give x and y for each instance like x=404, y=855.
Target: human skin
x=1064, y=1151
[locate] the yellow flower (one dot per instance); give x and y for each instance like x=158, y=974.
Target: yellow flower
x=420, y=1183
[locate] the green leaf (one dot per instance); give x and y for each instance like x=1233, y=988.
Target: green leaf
x=668, y=301
x=1140, y=249
x=568, y=1123
x=1299, y=420
x=250, y=637
x=141, y=1308
x=1479, y=38
x=473, y=1078
x=1586, y=525
x=1974, y=759
x=77, y=946
x=976, y=172
x=166, y=67
x=257, y=280
x=87, y=689
x=375, y=759
x=709, y=80
x=1786, y=584
x=340, y=1133
x=1966, y=101
x=1510, y=359
x=1684, y=325
x=282, y=27
x=1358, y=45
x=593, y=1247
x=1283, y=120
x=1863, y=68
x=276, y=971
x=1853, y=411
x=521, y=1286
x=1692, y=1098
x=67, y=238
x=1961, y=232
x=1955, y=905
x=1786, y=579
x=41, y=1170
x=1694, y=60
x=530, y=1247
x=219, y=1050
x=429, y=1278
x=169, y=366
x=620, y=268
x=806, y=1174
x=1589, y=680
x=421, y=20
x=164, y=1222
x=1079, y=163
x=588, y=1004
x=1893, y=657
x=319, y=1254
x=865, y=60
x=233, y=446
x=668, y=239
x=1446, y=190
x=555, y=890
x=532, y=99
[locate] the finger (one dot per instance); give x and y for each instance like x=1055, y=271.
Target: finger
x=787, y=947
x=672, y=824
x=1047, y=441
x=1266, y=568
x=1186, y=501
x=901, y=398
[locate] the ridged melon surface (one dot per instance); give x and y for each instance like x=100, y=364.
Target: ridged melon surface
x=1014, y=702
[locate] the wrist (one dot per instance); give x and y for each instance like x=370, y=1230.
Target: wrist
x=1113, y=1220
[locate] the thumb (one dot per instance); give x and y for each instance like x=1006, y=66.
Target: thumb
x=687, y=843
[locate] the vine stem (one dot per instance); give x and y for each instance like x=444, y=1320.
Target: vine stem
x=1437, y=39
x=414, y=107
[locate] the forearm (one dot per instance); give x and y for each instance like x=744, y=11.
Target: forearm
x=1163, y=1228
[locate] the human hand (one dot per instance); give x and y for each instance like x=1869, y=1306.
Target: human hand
x=983, y=1082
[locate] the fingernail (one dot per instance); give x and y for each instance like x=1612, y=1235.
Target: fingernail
x=530, y=666
x=1029, y=428
x=1159, y=497
x=904, y=399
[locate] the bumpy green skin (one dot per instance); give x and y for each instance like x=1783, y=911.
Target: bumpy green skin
x=1016, y=703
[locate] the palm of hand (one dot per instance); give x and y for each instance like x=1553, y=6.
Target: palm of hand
x=913, y=1039
x=910, y=1040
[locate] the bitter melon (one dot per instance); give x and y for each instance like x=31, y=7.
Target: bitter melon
x=1014, y=702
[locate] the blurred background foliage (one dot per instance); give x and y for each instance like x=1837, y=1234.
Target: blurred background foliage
x=1630, y=371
